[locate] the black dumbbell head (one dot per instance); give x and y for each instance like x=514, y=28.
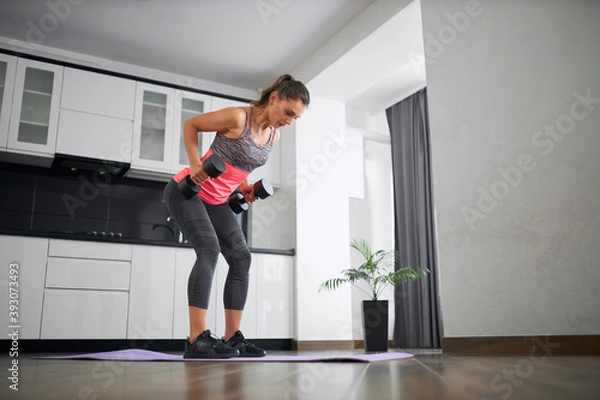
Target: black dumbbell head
x=214, y=166
x=263, y=188
x=188, y=188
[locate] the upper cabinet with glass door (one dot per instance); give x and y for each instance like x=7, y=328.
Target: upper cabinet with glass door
x=153, y=128
x=8, y=65
x=188, y=105
x=36, y=100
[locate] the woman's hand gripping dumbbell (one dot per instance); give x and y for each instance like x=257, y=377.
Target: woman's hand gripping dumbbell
x=213, y=166
x=260, y=190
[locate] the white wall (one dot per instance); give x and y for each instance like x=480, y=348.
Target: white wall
x=322, y=211
x=372, y=218
x=515, y=164
x=272, y=222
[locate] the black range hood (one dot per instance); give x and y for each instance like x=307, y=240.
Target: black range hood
x=106, y=170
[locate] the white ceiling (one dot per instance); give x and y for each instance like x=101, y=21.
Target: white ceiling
x=242, y=43
x=384, y=68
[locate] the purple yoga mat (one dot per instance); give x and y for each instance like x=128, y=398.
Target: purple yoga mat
x=146, y=355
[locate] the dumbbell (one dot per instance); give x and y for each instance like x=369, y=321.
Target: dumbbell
x=213, y=165
x=261, y=189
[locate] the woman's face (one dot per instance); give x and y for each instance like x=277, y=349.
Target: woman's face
x=284, y=112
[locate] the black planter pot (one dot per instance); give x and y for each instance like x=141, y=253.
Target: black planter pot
x=375, y=324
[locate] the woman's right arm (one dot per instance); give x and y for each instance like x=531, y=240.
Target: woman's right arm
x=228, y=121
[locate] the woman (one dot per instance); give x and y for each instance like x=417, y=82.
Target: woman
x=245, y=136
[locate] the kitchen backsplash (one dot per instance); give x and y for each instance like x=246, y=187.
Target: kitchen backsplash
x=40, y=200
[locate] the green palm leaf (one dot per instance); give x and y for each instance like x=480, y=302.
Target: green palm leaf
x=377, y=271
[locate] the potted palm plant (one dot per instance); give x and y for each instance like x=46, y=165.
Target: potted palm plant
x=377, y=271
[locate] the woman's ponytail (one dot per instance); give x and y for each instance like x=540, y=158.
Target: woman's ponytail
x=287, y=88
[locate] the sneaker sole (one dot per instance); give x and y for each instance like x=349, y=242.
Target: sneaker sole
x=210, y=356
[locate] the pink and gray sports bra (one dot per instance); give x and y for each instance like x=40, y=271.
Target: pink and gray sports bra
x=241, y=155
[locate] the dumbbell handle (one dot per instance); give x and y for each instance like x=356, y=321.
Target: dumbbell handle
x=213, y=165
x=261, y=189
x=237, y=202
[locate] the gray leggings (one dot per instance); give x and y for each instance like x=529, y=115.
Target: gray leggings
x=211, y=229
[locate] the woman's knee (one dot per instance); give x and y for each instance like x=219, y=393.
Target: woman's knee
x=242, y=259
x=207, y=247
x=247, y=256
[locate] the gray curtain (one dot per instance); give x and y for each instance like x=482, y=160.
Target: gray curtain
x=418, y=315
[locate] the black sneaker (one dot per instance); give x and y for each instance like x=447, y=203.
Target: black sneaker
x=208, y=346
x=247, y=349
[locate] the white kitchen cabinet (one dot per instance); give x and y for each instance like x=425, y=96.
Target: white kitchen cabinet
x=89, y=250
x=91, y=290
x=152, y=292
x=87, y=274
x=188, y=105
x=30, y=256
x=275, y=299
x=8, y=66
x=158, y=147
x=153, y=128
x=98, y=94
x=96, y=116
x=86, y=293
x=184, y=262
x=218, y=103
x=248, y=325
x=34, y=115
x=84, y=314
x=95, y=136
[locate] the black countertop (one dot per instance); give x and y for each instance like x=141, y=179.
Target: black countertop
x=107, y=239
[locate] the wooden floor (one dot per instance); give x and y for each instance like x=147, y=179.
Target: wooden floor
x=429, y=375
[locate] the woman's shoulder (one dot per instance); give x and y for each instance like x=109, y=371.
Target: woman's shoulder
x=237, y=114
x=236, y=117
